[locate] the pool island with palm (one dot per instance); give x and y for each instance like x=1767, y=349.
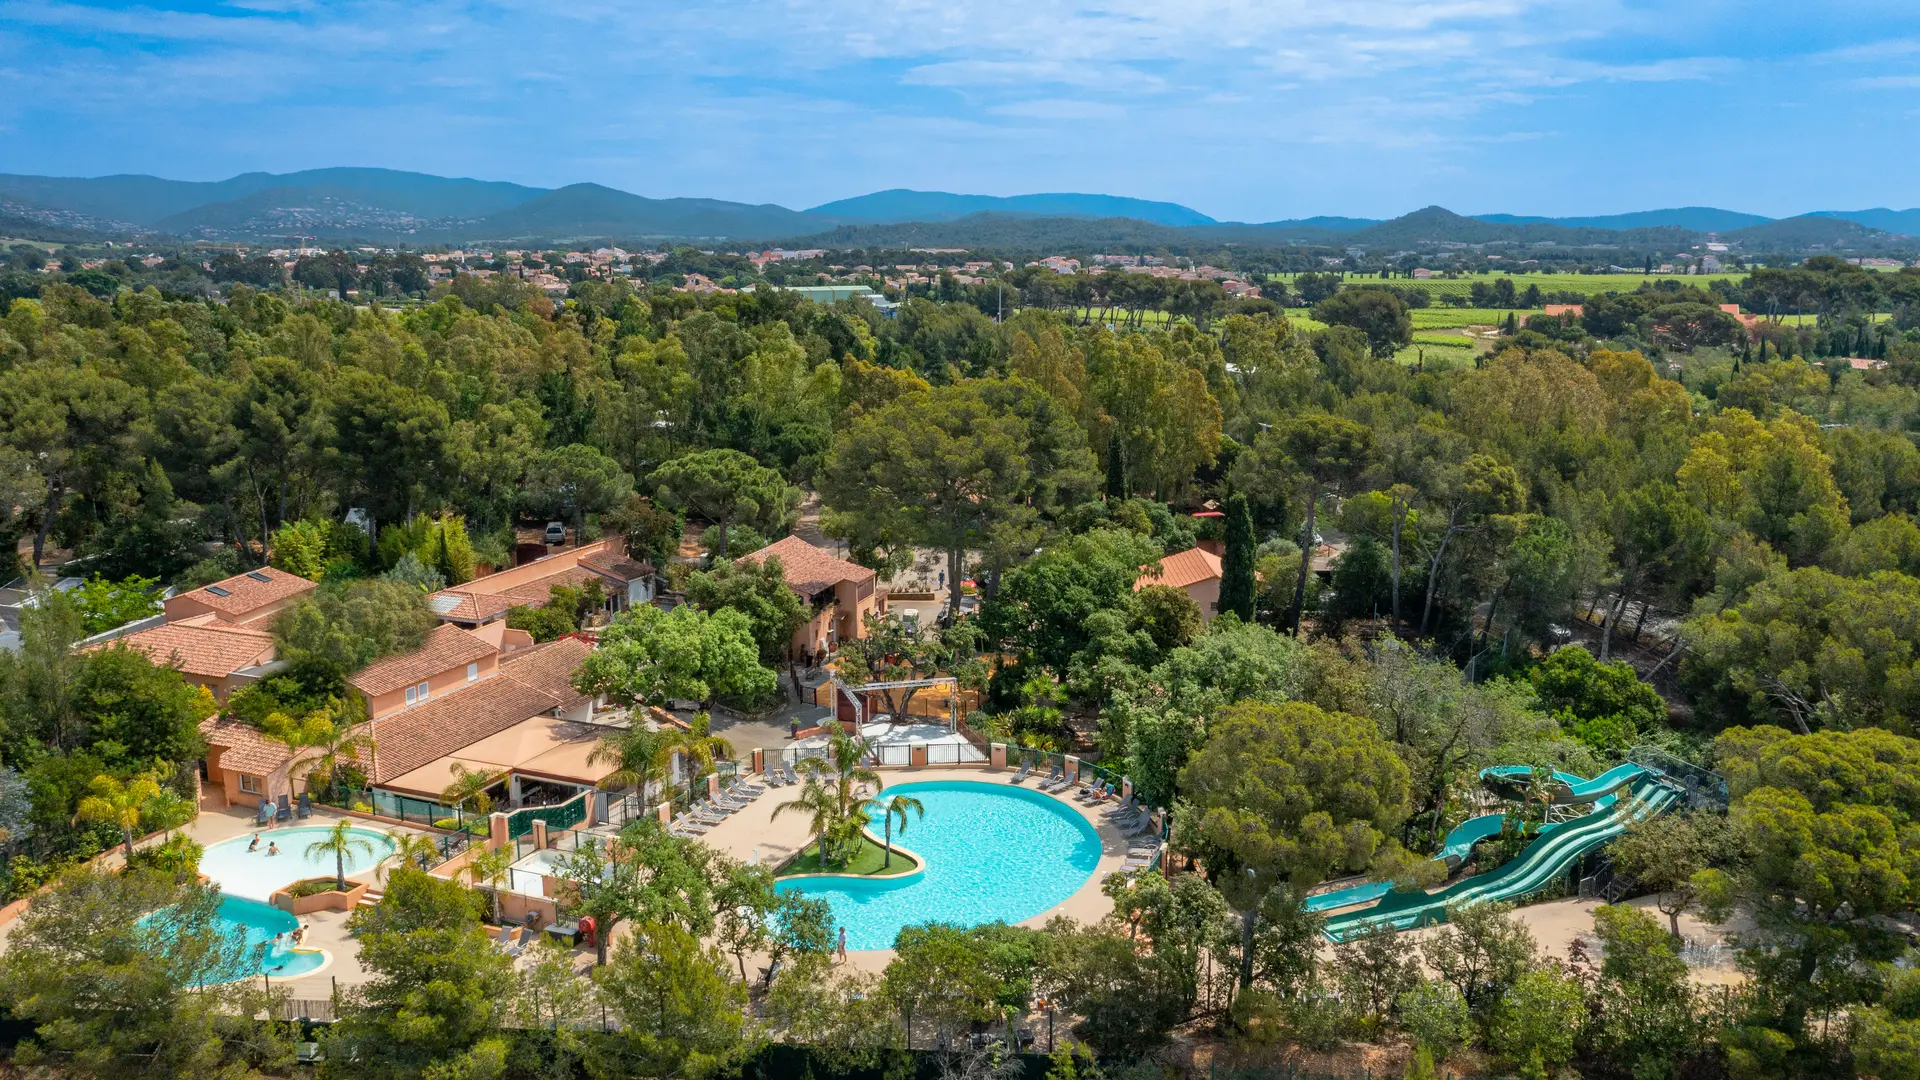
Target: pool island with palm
x=990, y=853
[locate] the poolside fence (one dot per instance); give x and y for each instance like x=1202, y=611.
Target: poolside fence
x=559, y=816
x=401, y=808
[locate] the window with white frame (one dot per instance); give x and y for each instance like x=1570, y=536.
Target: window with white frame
x=473, y=671
x=250, y=783
x=413, y=697
x=423, y=692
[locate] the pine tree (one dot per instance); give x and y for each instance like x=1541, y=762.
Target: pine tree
x=1116, y=470
x=1236, y=570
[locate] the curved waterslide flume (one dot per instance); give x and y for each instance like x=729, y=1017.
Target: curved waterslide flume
x=1556, y=847
x=1568, y=788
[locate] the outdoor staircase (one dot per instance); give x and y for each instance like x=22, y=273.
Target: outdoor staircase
x=371, y=898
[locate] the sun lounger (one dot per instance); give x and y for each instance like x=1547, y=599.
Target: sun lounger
x=685, y=825
x=709, y=813
x=788, y=767
x=1022, y=774
x=1092, y=792
x=306, y=805
x=284, y=810
x=1054, y=778
x=264, y=814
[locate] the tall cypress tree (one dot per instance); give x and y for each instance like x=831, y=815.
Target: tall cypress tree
x=1116, y=470
x=1236, y=569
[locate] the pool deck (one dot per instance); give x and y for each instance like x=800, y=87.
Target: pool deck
x=326, y=930
x=753, y=833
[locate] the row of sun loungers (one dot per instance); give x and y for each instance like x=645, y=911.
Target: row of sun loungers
x=707, y=813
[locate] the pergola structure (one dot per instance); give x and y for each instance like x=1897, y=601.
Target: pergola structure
x=852, y=695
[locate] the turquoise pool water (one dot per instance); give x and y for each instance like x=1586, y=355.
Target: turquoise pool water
x=255, y=875
x=262, y=929
x=992, y=852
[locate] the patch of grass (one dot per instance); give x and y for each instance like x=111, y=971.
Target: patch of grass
x=865, y=863
x=1453, y=318
x=314, y=887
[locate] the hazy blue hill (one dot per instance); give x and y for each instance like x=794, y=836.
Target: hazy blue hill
x=1808, y=230
x=1692, y=218
x=142, y=200
x=150, y=200
x=1013, y=233
x=1902, y=222
x=590, y=210
x=902, y=205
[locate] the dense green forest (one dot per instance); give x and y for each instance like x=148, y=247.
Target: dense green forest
x=1646, y=524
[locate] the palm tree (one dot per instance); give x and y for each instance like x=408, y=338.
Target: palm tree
x=119, y=803
x=845, y=764
x=340, y=842
x=414, y=849
x=639, y=757
x=332, y=730
x=698, y=745
x=822, y=808
x=896, y=806
x=489, y=868
x=468, y=791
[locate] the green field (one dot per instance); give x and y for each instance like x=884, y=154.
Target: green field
x=1590, y=284
x=1448, y=318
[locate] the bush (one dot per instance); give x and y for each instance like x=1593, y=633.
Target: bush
x=179, y=856
x=1435, y=1017
x=313, y=887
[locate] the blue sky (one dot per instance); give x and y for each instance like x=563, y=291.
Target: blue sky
x=1253, y=110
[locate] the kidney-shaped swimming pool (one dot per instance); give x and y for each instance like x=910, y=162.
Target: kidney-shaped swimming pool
x=992, y=852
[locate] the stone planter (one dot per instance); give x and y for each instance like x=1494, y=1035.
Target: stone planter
x=326, y=901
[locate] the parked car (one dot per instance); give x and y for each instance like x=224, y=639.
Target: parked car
x=556, y=532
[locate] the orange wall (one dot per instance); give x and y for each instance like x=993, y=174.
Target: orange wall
x=1206, y=594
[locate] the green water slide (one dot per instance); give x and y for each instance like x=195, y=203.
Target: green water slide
x=1634, y=798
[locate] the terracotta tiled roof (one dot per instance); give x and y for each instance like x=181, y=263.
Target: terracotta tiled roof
x=242, y=593
x=472, y=602
x=549, y=668
x=1180, y=570
x=202, y=646
x=446, y=648
x=407, y=740
x=619, y=567
x=242, y=746
x=809, y=569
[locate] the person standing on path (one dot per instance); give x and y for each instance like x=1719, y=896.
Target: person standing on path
x=840, y=950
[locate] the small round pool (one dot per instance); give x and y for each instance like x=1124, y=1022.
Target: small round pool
x=263, y=930
x=993, y=853
x=256, y=875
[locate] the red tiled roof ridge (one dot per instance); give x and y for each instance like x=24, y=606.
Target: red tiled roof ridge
x=245, y=591
x=447, y=647
x=809, y=569
x=1181, y=569
x=210, y=648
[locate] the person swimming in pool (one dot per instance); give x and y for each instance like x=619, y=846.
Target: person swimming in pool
x=255, y=846
x=273, y=848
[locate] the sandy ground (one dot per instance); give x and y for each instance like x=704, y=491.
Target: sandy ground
x=1557, y=923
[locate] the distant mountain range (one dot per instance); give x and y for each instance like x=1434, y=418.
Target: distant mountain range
x=899, y=204
x=388, y=206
